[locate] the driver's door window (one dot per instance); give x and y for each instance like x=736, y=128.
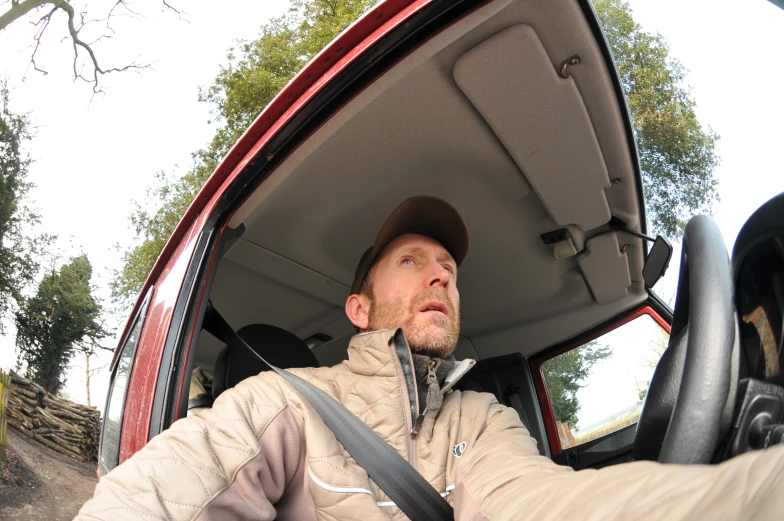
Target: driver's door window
x=598, y=387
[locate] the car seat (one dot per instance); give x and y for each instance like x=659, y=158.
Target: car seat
x=278, y=346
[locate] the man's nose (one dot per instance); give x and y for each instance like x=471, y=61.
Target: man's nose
x=437, y=276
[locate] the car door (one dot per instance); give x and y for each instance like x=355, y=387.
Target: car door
x=591, y=388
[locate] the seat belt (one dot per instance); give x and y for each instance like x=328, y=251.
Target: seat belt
x=410, y=492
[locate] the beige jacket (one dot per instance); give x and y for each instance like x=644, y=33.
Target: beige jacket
x=261, y=452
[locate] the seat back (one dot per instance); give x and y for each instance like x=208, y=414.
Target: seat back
x=277, y=346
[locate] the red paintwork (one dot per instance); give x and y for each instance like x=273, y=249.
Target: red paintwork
x=144, y=375
x=169, y=270
x=185, y=377
x=537, y=361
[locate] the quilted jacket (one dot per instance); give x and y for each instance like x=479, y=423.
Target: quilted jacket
x=261, y=452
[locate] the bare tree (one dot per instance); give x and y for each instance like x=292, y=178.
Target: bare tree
x=89, y=347
x=88, y=352
x=657, y=345
x=40, y=13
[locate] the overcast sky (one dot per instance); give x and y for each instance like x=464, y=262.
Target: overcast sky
x=93, y=158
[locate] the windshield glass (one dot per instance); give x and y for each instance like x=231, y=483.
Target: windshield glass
x=705, y=106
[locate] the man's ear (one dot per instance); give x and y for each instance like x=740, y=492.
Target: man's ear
x=358, y=310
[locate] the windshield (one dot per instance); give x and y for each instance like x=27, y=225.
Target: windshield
x=705, y=107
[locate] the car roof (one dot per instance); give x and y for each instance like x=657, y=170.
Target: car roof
x=456, y=119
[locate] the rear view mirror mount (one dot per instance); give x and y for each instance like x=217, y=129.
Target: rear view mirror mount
x=658, y=257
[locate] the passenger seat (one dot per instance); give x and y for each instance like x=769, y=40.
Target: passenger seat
x=275, y=345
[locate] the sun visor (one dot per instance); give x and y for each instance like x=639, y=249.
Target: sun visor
x=605, y=268
x=541, y=120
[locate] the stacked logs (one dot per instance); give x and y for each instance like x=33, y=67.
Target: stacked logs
x=66, y=427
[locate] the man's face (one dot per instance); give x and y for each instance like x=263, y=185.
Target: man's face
x=414, y=286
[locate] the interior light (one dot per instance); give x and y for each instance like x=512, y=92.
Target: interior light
x=560, y=242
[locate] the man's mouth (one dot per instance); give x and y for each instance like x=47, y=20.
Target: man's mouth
x=434, y=306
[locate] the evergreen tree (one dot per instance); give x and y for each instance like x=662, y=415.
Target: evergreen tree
x=677, y=155
x=53, y=322
x=18, y=262
x=564, y=375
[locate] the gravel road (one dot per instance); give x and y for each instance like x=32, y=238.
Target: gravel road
x=43, y=485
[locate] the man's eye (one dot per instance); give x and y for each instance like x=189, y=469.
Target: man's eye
x=449, y=268
x=407, y=260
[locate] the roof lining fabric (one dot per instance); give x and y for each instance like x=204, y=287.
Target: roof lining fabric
x=320, y=205
x=541, y=120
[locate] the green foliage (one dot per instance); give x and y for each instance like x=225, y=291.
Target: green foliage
x=677, y=155
x=18, y=263
x=52, y=323
x=258, y=70
x=564, y=375
x=172, y=197
x=255, y=73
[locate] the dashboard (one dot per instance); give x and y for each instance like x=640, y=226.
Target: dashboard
x=759, y=287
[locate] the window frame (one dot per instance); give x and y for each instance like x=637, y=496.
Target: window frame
x=536, y=362
x=139, y=319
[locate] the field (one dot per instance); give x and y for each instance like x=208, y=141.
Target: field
x=608, y=428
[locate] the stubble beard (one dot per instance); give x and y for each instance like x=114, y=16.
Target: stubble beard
x=421, y=337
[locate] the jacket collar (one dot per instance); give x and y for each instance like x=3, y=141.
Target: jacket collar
x=373, y=354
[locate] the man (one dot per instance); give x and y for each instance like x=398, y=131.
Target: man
x=262, y=452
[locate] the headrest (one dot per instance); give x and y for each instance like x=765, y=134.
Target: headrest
x=277, y=346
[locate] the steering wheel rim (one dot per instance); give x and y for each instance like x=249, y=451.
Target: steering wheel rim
x=704, y=327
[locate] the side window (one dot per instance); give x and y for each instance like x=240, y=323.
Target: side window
x=115, y=404
x=598, y=388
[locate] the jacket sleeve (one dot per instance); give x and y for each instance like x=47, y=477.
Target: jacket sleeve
x=506, y=478
x=233, y=461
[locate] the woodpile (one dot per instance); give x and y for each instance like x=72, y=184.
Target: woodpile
x=5, y=384
x=66, y=427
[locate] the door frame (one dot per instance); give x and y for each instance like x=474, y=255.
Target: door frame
x=536, y=361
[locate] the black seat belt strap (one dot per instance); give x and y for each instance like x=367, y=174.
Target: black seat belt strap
x=201, y=400
x=389, y=470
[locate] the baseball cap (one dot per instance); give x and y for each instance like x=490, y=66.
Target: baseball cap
x=422, y=215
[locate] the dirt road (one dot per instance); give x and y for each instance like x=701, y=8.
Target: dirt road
x=45, y=486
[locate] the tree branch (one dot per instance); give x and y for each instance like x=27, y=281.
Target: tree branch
x=77, y=42
x=169, y=6
x=18, y=10
x=38, y=35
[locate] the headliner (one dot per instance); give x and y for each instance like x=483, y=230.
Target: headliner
x=415, y=131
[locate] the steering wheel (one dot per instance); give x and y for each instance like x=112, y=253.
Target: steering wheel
x=689, y=401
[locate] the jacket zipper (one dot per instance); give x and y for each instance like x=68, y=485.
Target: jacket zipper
x=415, y=420
x=431, y=375
x=403, y=353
